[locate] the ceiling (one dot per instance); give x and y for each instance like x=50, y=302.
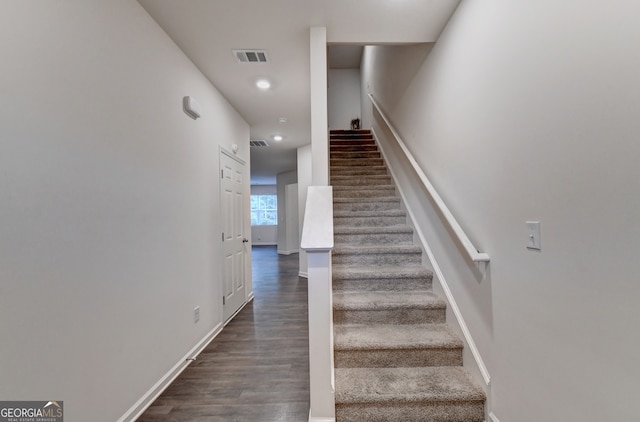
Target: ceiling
x=209, y=30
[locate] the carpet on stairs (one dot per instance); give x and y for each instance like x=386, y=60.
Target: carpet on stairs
x=395, y=357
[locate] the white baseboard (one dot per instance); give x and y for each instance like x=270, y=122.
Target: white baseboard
x=493, y=417
x=158, y=388
x=303, y=274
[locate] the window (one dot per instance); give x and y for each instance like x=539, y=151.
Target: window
x=264, y=210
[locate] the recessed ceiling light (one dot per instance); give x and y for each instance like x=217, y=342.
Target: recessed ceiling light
x=277, y=138
x=263, y=84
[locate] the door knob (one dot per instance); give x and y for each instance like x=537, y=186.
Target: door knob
x=245, y=240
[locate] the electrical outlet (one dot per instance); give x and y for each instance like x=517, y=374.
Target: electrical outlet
x=196, y=314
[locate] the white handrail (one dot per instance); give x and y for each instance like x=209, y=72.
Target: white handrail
x=472, y=251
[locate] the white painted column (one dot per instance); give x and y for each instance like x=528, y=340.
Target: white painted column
x=319, y=116
x=317, y=241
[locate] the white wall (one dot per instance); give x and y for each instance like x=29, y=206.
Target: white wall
x=110, y=202
x=264, y=235
x=343, y=97
x=395, y=66
x=304, y=181
x=319, y=119
x=537, y=125
x=288, y=235
x=292, y=223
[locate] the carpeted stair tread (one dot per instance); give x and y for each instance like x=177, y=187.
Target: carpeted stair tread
x=376, y=249
x=400, y=238
x=365, y=192
x=345, y=162
x=346, y=167
x=404, y=385
x=366, y=204
x=348, y=134
x=388, y=307
x=377, y=300
x=366, y=213
x=377, y=255
x=350, y=177
x=386, y=186
x=354, y=155
x=342, y=272
x=381, y=235
x=380, y=278
x=397, y=220
x=394, y=199
x=358, y=171
x=353, y=147
x=372, y=230
x=398, y=254
x=393, y=336
x=344, y=143
x=350, y=131
x=363, y=180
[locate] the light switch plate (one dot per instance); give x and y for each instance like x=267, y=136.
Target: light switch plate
x=533, y=235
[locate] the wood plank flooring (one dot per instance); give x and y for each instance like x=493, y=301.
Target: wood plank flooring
x=257, y=368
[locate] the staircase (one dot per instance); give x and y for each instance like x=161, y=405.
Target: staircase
x=395, y=357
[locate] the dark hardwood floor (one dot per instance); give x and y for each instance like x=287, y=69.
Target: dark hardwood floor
x=257, y=368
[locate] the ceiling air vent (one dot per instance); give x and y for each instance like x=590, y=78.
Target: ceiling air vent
x=258, y=143
x=250, y=56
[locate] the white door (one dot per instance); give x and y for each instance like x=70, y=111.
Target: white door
x=233, y=239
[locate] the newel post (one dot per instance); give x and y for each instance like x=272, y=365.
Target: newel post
x=317, y=241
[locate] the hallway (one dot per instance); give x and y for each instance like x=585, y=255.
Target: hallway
x=257, y=368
